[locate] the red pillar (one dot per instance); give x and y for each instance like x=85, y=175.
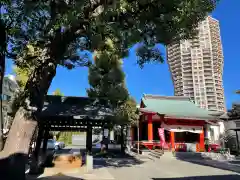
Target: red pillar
x=201, y=141
x=172, y=138
x=150, y=128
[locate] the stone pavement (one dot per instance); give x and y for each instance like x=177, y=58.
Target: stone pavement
x=225, y=165
x=75, y=174
x=171, y=169
x=165, y=168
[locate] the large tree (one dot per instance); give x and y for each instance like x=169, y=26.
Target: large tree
x=6, y=29
x=107, y=80
x=56, y=26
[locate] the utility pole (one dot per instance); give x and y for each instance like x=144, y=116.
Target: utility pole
x=138, y=138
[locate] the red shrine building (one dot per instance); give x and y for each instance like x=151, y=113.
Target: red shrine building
x=185, y=125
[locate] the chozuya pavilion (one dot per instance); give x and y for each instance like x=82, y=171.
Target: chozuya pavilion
x=185, y=125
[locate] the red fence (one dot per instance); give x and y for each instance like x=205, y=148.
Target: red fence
x=181, y=147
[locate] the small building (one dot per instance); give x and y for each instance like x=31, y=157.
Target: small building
x=182, y=120
x=232, y=127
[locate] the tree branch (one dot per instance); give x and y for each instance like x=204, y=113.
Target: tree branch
x=79, y=26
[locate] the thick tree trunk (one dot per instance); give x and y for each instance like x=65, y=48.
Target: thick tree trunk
x=3, y=47
x=2, y=69
x=16, y=147
x=24, y=123
x=21, y=132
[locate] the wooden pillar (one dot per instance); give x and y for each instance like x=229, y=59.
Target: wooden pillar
x=45, y=140
x=172, y=139
x=89, y=140
x=150, y=128
x=237, y=142
x=201, y=141
x=47, y=156
x=38, y=143
x=34, y=166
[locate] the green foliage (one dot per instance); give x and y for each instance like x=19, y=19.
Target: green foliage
x=127, y=112
x=16, y=101
x=22, y=75
x=58, y=25
x=63, y=33
x=106, y=79
x=29, y=60
x=58, y=92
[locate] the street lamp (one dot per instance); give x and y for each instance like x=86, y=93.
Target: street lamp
x=138, y=132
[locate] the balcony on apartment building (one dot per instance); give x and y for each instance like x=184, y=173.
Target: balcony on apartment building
x=207, y=78
x=212, y=107
x=207, y=64
x=174, y=54
x=209, y=81
x=188, y=89
x=210, y=94
x=188, y=77
x=186, y=55
x=188, y=86
x=208, y=72
x=212, y=104
x=176, y=70
x=187, y=69
x=186, y=61
x=209, y=84
x=176, y=63
x=219, y=91
x=208, y=68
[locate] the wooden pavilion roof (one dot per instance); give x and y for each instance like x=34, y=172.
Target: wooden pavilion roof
x=75, y=107
x=66, y=112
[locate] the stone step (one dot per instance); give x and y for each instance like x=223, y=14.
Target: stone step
x=156, y=153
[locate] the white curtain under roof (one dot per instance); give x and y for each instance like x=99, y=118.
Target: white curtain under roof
x=180, y=128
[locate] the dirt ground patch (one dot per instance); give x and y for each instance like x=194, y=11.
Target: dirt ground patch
x=67, y=161
x=63, y=165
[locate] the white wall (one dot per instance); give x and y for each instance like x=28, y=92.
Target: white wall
x=217, y=131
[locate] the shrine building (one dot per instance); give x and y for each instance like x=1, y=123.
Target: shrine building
x=183, y=122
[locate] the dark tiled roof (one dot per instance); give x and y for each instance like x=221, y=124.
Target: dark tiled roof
x=78, y=107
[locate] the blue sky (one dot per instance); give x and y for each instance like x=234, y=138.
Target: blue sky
x=155, y=78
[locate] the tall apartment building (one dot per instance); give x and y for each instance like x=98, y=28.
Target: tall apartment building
x=196, y=66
